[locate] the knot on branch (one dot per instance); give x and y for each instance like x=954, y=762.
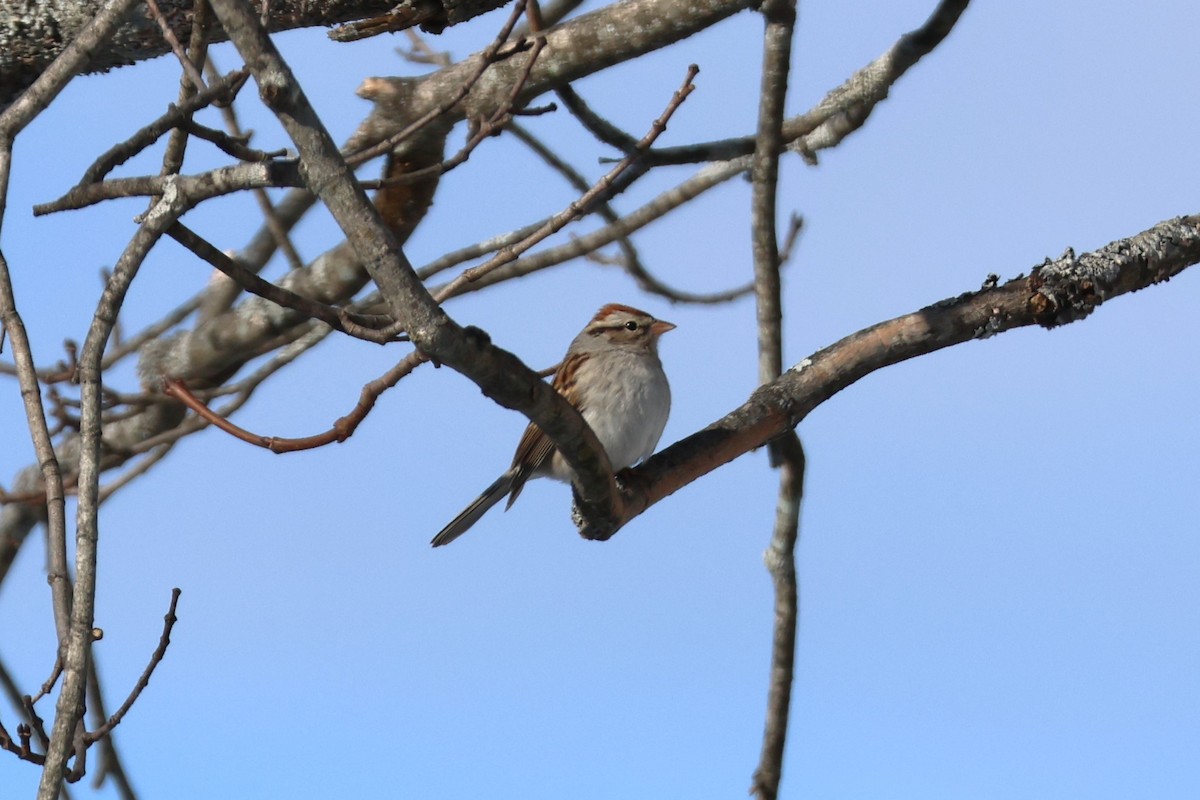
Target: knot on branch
x=1068, y=289
x=595, y=521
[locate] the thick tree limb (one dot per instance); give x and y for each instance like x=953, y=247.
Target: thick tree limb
x=33, y=34
x=1057, y=292
x=611, y=35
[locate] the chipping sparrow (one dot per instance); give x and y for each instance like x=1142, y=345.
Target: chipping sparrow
x=612, y=375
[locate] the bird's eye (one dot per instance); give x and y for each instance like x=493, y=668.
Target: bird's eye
x=631, y=326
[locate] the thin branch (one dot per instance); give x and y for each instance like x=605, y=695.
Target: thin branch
x=419, y=52
x=43, y=445
x=490, y=55
x=109, y=764
x=780, y=559
x=12, y=121
x=177, y=142
x=359, y=326
x=786, y=452
x=705, y=179
x=48, y=684
x=172, y=41
x=485, y=129
x=595, y=124
x=198, y=188
x=232, y=146
x=579, y=207
x=402, y=17
x=141, y=468
x=21, y=746
x=224, y=89
x=844, y=109
x=244, y=389
x=341, y=430
x=548, y=15
x=630, y=261
x=270, y=216
x=164, y=641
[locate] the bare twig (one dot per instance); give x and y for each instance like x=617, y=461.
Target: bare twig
x=780, y=559
x=198, y=188
x=189, y=68
x=141, y=468
x=108, y=765
x=419, y=51
x=579, y=207
x=486, y=58
x=595, y=124
x=39, y=430
x=224, y=89
x=402, y=17
x=21, y=747
x=48, y=684
x=360, y=326
x=548, y=15
x=631, y=262
x=12, y=121
x=270, y=216
x=485, y=129
x=177, y=142
x=164, y=640
x=230, y=145
x=341, y=430
x=705, y=179
x=844, y=109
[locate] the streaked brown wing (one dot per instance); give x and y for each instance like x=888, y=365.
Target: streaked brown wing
x=535, y=447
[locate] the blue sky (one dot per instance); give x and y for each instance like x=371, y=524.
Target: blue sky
x=999, y=550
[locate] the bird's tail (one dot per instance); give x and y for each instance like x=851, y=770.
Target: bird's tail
x=471, y=514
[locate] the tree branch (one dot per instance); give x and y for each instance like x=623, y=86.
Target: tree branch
x=786, y=451
x=140, y=38
x=1057, y=292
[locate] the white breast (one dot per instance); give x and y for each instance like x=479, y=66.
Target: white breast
x=627, y=408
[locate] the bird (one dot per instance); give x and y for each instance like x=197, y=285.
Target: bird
x=612, y=375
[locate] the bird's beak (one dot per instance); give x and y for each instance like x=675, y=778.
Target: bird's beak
x=658, y=327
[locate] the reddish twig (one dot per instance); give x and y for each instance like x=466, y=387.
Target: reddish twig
x=341, y=430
